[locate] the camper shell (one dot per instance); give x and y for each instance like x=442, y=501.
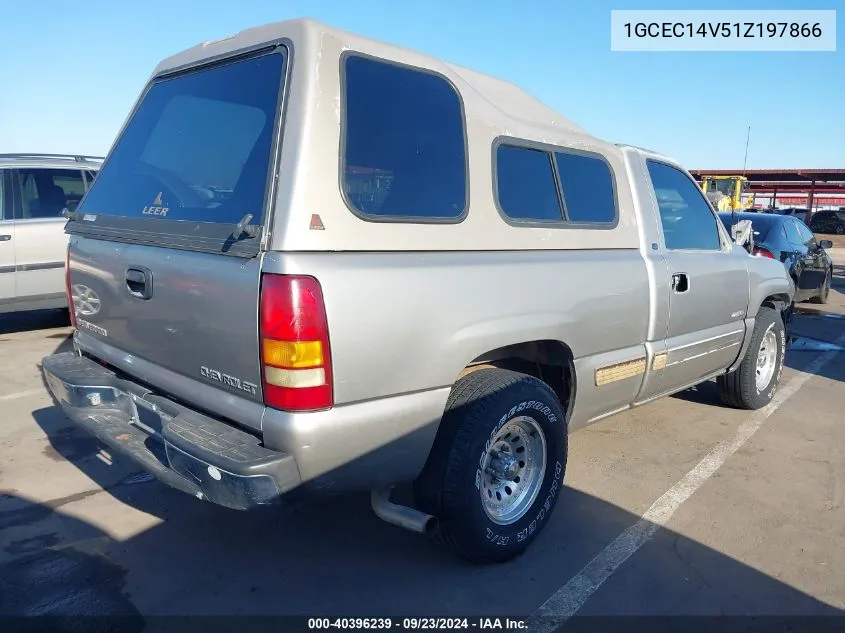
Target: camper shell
x=312, y=130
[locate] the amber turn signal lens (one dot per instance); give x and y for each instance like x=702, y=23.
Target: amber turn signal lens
x=292, y=354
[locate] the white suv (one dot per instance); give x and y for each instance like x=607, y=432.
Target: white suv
x=34, y=190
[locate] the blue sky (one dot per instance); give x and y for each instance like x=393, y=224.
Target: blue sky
x=71, y=71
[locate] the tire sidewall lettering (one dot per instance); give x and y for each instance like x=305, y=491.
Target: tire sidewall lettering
x=780, y=361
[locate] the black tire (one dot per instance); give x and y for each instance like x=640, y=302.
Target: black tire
x=840, y=229
x=787, y=314
x=481, y=404
x=824, y=291
x=739, y=388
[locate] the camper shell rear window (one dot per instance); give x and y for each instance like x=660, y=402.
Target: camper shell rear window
x=195, y=154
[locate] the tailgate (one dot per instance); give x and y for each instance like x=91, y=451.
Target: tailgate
x=164, y=258
x=193, y=313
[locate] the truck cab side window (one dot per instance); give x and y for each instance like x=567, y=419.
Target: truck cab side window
x=688, y=223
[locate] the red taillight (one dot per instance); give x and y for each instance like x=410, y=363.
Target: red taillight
x=296, y=364
x=70, y=307
x=762, y=252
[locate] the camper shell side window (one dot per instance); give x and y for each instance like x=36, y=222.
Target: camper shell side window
x=403, y=143
x=552, y=186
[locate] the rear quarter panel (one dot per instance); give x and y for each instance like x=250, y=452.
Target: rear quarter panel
x=409, y=322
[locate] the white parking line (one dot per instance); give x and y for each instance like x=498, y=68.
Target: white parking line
x=21, y=394
x=567, y=600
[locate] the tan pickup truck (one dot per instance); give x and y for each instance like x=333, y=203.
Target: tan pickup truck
x=324, y=263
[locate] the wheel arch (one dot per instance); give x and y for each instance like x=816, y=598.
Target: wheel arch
x=776, y=301
x=771, y=291
x=549, y=360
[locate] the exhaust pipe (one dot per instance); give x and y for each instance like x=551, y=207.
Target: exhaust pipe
x=403, y=516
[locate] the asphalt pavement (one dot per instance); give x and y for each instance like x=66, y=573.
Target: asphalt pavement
x=680, y=507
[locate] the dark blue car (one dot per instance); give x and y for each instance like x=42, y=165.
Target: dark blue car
x=790, y=241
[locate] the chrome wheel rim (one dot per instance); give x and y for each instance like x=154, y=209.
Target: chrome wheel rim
x=513, y=470
x=766, y=359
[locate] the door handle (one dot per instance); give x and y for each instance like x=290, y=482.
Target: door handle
x=5, y=238
x=680, y=283
x=139, y=282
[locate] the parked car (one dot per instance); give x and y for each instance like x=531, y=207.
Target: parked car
x=828, y=222
x=34, y=189
x=399, y=270
x=787, y=240
x=799, y=213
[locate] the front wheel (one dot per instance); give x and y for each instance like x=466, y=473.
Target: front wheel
x=787, y=313
x=753, y=384
x=496, y=468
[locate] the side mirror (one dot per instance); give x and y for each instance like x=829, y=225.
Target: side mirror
x=826, y=244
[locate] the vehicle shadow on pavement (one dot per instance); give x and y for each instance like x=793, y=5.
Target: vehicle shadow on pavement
x=15, y=322
x=704, y=393
x=811, y=332
x=66, y=345
x=815, y=331
x=331, y=557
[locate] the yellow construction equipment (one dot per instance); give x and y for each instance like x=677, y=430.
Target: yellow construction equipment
x=728, y=193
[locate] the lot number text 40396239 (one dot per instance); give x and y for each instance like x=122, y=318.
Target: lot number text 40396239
x=418, y=624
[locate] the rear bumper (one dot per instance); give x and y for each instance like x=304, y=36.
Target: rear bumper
x=183, y=448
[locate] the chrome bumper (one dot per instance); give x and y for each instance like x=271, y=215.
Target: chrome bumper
x=185, y=449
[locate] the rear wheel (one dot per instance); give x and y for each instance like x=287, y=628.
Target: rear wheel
x=840, y=229
x=824, y=291
x=497, y=464
x=753, y=384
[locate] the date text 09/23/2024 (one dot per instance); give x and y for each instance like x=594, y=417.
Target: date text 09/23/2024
x=411, y=624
